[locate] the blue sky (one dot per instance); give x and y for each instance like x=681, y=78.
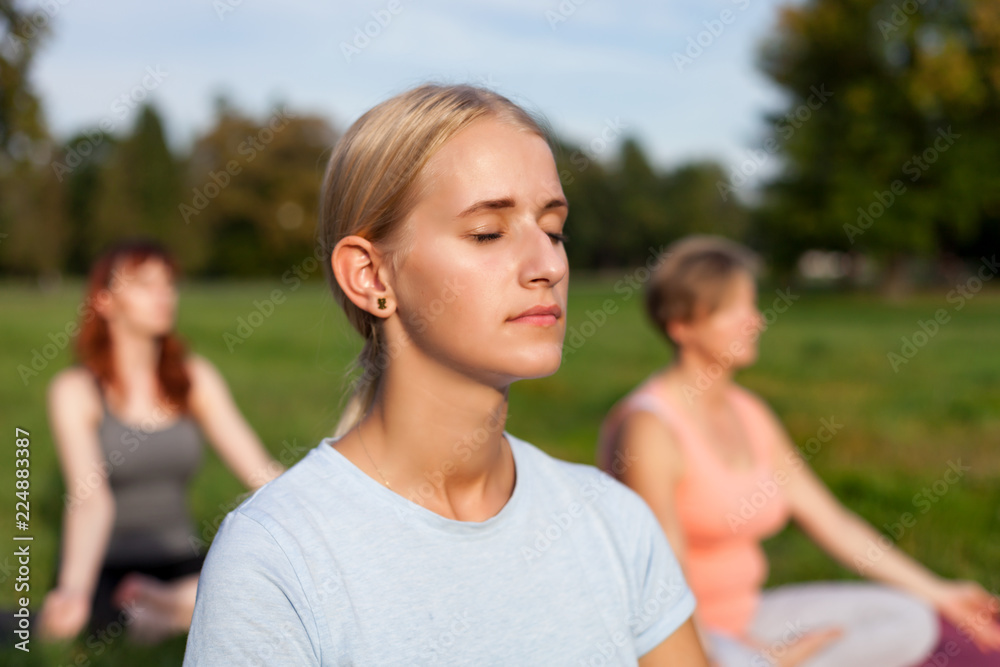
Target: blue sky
x=582, y=63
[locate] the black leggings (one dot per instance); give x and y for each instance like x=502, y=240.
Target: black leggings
x=104, y=612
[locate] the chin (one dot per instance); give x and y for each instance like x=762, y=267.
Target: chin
x=160, y=330
x=536, y=363
x=747, y=359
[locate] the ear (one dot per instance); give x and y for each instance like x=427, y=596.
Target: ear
x=102, y=303
x=359, y=267
x=679, y=332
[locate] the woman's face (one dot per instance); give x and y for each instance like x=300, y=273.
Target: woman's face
x=142, y=298
x=728, y=335
x=485, y=248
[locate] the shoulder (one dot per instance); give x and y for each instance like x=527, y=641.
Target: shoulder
x=208, y=386
x=758, y=408
x=566, y=482
x=642, y=431
x=302, y=500
x=74, y=380
x=75, y=386
x=199, y=368
x=750, y=397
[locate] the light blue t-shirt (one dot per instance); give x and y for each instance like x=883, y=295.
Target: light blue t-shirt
x=326, y=566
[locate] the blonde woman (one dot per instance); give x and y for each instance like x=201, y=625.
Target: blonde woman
x=423, y=532
x=719, y=471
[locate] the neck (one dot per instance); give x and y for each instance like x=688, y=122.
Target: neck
x=702, y=380
x=135, y=356
x=436, y=435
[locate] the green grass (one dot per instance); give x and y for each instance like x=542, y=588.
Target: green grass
x=823, y=358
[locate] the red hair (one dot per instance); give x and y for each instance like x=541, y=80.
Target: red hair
x=93, y=345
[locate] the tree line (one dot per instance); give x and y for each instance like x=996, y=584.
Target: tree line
x=886, y=150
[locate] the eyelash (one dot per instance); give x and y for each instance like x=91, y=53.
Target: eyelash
x=486, y=238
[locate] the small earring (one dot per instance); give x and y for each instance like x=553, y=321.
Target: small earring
x=381, y=303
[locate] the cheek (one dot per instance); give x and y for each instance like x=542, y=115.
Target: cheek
x=725, y=330
x=129, y=304
x=441, y=294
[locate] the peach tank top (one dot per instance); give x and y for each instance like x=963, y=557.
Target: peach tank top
x=723, y=512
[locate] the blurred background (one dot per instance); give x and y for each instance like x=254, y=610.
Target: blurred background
x=854, y=143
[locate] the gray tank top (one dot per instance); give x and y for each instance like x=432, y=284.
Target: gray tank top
x=150, y=466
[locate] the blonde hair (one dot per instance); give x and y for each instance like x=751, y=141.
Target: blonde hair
x=693, y=277
x=372, y=184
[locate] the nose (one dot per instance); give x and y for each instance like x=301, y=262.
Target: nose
x=544, y=260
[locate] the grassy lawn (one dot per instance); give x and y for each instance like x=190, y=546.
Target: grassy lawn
x=825, y=357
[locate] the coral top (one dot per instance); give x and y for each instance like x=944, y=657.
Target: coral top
x=723, y=512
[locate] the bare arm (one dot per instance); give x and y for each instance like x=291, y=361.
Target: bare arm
x=839, y=531
x=852, y=541
x=223, y=424
x=654, y=467
x=74, y=413
x=657, y=468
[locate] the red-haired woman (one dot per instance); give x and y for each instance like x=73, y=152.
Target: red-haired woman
x=127, y=423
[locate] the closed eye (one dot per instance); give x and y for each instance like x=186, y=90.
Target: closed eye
x=486, y=238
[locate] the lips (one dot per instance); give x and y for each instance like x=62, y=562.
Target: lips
x=547, y=314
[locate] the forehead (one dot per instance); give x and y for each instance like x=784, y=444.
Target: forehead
x=142, y=266
x=492, y=158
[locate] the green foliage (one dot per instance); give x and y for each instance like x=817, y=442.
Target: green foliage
x=253, y=187
x=914, y=94
x=621, y=209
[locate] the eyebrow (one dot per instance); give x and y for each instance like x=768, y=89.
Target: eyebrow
x=506, y=202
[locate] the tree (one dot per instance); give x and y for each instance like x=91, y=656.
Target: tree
x=890, y=136
x=253, y=187
x=138, y=191
x=33, y=236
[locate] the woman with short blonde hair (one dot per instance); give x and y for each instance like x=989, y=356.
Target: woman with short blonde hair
x=715, y=465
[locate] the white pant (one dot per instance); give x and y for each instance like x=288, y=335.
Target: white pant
x=882, y=626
